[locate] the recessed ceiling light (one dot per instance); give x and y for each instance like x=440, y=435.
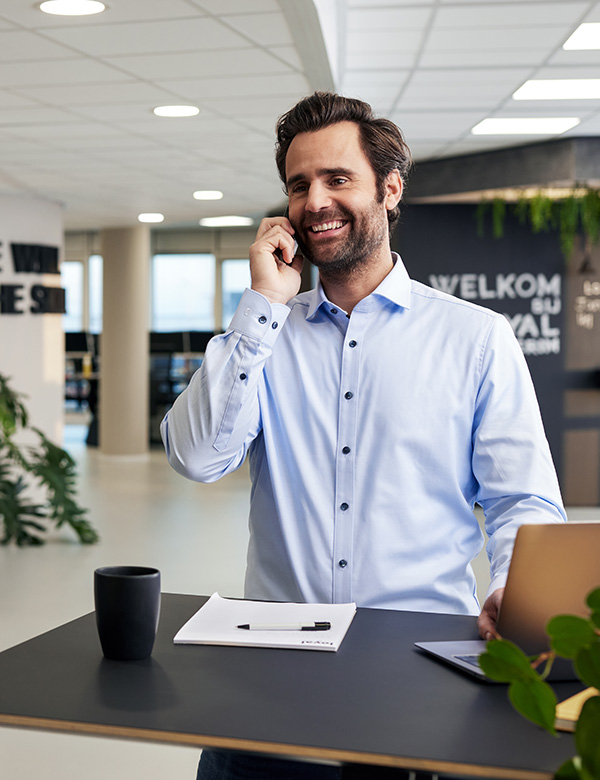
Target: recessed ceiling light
x=229, y=221
x=151, y=217
x=586, y=36
x=559, y=89
x=208, y=194
x=174, y=111
x=72, y=7
x=525, y=125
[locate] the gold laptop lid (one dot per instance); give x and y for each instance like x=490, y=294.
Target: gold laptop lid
x=554, y=566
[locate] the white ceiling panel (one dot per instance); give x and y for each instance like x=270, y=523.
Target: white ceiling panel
x=385, y=40
x=190, y=34
x=71, y=96
x=380, y=60
x=495, y=38
x=262, y=29
x=36, y=115
x=399, y=19
x=71, y=71
x=520, y=15
x=195, y=64
x=482, y=58
x=228, y=7
x=20, y=45
x=239, y=86
x=76, y=95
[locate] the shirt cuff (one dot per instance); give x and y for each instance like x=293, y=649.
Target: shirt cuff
x=258, y=318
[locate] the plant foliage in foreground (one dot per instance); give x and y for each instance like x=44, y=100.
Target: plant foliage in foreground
x=571, y=636
x=23, y=521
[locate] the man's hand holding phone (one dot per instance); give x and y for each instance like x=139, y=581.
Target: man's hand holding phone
x=274, y=265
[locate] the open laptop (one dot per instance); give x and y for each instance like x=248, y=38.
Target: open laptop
x=553, y=568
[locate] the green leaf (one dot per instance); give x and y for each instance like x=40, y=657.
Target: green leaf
x=587, y=665
x=535, y=700
x=570, y=770
x=498, y=213
x=587, y=736
x=593, y=600
x=503, y=661
x=569, y=634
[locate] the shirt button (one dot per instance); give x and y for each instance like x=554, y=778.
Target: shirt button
x=242, y=376
x=262, y=319
x=345, y=450
x=343, y=563
x=274, y=325
x=352, y=343
x=333, y=311
x=348, y=395
x=344, y=506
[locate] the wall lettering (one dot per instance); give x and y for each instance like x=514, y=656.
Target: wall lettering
x=587, y=305
x=535, y=328
x=36, y=259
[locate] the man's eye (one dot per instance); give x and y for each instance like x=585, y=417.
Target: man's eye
x=299, y=188
x=339, y=180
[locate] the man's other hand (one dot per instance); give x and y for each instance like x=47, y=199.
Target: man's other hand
x=486, y=622
x=277, y=278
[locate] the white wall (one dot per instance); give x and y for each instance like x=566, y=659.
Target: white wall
x=32, y=345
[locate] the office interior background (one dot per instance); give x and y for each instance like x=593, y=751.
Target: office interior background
x=494, y=97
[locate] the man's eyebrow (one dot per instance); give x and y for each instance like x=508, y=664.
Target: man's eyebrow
x=321, y=172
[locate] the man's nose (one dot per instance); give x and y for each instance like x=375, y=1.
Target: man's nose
x=318, y=198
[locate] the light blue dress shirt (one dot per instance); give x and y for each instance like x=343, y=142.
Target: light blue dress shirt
x=370, y=438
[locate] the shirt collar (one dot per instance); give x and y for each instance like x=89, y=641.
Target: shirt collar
x=395, y=288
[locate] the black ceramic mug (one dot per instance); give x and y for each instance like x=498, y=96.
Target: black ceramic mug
x=127, y=602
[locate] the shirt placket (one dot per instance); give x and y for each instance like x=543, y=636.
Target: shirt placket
x=345, y=504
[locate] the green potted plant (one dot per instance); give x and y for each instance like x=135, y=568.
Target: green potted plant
x=24, y=520
x=573, y=213
x=571, y=636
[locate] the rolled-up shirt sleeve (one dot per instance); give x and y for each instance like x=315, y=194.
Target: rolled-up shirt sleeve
x=210, y=426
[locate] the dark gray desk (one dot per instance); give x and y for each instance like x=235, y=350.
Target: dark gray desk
x=376, y=701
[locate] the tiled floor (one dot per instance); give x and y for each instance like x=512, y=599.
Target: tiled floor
x=146, y=514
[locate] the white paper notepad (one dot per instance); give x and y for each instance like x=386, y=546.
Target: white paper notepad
x=216, y=624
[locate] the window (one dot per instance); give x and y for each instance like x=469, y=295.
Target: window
x=236, y=278
x=183, y=290
x=71, y=278
x=95, y=294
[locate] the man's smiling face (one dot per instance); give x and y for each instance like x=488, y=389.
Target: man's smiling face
x=334, y=206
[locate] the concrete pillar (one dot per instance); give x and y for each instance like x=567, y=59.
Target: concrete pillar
x=124, y=350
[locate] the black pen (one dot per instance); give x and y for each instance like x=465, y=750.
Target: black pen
x=320, y=625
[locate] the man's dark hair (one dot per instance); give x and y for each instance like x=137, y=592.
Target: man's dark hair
x=381, y=140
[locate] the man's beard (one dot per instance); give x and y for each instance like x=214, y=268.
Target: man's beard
x=347, y=257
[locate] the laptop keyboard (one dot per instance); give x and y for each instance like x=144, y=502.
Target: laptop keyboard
x=471, y=658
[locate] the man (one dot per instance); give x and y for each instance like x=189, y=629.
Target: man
x=375, y=411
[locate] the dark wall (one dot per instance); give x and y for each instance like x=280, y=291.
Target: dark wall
x=523, y=276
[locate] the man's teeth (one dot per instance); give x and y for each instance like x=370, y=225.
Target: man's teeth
x=326, y=226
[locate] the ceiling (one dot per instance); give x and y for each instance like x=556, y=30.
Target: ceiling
x=76, y=94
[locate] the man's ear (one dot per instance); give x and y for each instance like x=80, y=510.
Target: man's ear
x=393, y=189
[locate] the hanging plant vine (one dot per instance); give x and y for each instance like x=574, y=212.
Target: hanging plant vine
x=572, y=215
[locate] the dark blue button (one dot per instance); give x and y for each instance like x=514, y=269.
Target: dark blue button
x=348, y=395
x=242, y=376
x=274, y=325
x=352, y=343
x=262, y=319
x=345, y=450
x=333, y=311
x=343, y=563
x=344, y=506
